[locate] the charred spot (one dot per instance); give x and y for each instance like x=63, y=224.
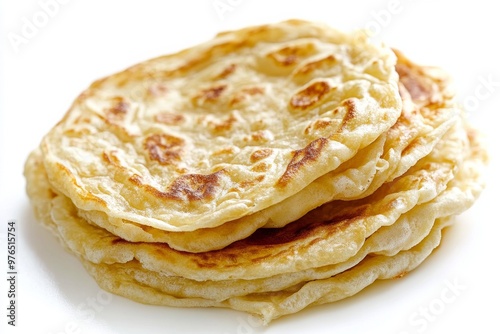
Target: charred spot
x=164, y=148
x=301, y=158
x=310, y=96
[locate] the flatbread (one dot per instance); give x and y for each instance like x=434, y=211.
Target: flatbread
x=267, y=170
x=420, y=126
x=224, y=129
x=272, y=305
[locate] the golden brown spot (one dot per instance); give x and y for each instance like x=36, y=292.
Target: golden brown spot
x=236, y=99
x=164, y=148
x=121, y=107
x=350, y=114
x=310, y=96
x=301, y=158
x=411, y=82
x=260, y=167
x=82, y=119
x=224, y=125
x=227, y=71
x=110, y=159
x=118, y=110
x=244, y=93
x=157, y=89
x=224, y=151
x=252, y=183
x=400, y=275
x=190, y=187
x=169, y=118
x=253, y=90
x=211, y=94
x=291, y=55
x=260, y=154
x=76, y=132
x=258, y=137
x=413, y=145
x=83, y=193
x=195, y=187
x=317, y=125
x=321, y=64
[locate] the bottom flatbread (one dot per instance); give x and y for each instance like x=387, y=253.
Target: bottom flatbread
x=271, y=305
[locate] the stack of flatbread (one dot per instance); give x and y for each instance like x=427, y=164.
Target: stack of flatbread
x=267, y=170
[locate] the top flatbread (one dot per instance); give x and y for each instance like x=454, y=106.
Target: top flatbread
x=224, y=129
x=425, y=117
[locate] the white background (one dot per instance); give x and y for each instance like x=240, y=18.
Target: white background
x=85, y=40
